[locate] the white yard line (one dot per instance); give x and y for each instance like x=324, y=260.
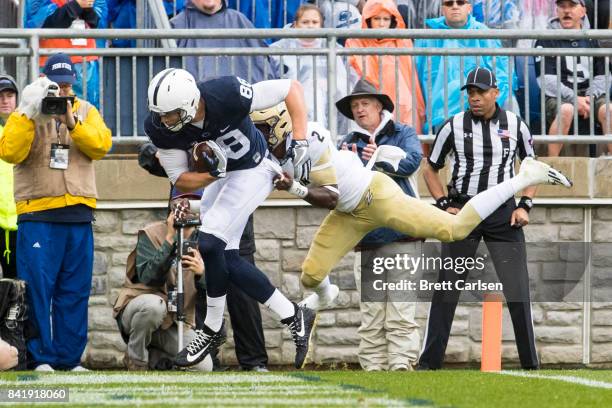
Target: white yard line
x=565, y=378
x=180, y=378
x=199, y=389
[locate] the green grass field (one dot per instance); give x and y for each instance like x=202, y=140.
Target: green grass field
x=449, y=388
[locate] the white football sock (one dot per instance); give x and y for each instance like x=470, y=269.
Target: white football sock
x=280, y=305
x=214, y=312
x=486, y=202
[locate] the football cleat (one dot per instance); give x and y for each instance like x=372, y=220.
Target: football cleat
x=206, y=342
x=301, y=326
x=538, y=172
x=316, y=302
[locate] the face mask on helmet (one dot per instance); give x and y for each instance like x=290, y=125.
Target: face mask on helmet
x=177, y=119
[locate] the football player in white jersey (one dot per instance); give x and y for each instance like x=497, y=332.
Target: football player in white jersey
x=362, y=200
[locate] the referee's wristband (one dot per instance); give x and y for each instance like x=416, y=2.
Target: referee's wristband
x=442, y=203
x=298, y=190
x=525, y=203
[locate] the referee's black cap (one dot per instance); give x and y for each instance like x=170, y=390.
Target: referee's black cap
x=482, y=78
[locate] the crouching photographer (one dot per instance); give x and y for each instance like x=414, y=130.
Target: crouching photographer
x=147, y=304
x=53, y=139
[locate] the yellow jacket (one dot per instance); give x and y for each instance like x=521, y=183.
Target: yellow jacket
x=90, y=135
x=8, y=214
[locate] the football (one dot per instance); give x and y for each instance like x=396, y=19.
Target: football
x=199, y=164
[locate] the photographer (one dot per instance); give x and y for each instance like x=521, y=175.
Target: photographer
x=53, y=143
x=144, y=311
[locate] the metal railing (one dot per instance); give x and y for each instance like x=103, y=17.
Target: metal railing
x=135, y=66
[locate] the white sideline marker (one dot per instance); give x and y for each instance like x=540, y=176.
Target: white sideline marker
x=565, y=378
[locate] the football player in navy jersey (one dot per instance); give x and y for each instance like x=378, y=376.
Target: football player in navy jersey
x=216, y=112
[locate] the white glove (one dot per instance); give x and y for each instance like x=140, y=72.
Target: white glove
x=32, y=95
x=301, y=162
x=220, y=162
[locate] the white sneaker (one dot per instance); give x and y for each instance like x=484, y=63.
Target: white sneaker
x=537, y=172
x=315, y=302
x=79, y=369
x=45, y=368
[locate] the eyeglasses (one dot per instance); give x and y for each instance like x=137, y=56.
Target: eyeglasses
x=457, y=2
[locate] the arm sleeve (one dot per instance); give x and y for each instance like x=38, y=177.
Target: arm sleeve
x=269, y=93
x=598, y=86
x=525, y=141
x=414, y=153
x=91, y=136
x=175, y=162
x=152, y=264
x=37, y=12
x=442, y=145
x=16, y=138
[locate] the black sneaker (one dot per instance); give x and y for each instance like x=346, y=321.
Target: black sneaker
x=206, y=342
x=301, y=326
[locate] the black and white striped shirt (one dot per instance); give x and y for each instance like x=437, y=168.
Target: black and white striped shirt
x=481, y=152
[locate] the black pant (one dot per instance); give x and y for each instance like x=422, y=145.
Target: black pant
x=510, y=262
x=8, y=266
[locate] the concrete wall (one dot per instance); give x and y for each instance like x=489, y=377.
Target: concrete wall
x=283, y=237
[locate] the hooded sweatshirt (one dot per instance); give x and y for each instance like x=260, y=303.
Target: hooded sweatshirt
x=253, y=69
x=407, y=82
x=454, y=74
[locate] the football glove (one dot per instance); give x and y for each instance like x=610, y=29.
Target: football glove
x=217, y=164
x=298, y=151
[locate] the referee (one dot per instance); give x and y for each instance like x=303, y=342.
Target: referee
x=482, y=143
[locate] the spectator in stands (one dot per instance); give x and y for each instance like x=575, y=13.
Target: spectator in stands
x=312, y=75
x=78, y=15
x=215, y=14
x=415, y=12
x=145, y=309
x=340, y=14
x=8, y=213
x=570, y=16
x=267, y=14
x=55, y=190
x=389, y=333
x=456, y=15
x=122, y=14
x=403, y=86
x=8, y=356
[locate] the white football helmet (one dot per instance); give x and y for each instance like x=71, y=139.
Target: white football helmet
x=174, y=89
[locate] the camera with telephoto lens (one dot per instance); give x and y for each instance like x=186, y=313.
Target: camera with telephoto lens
x=56, y=105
